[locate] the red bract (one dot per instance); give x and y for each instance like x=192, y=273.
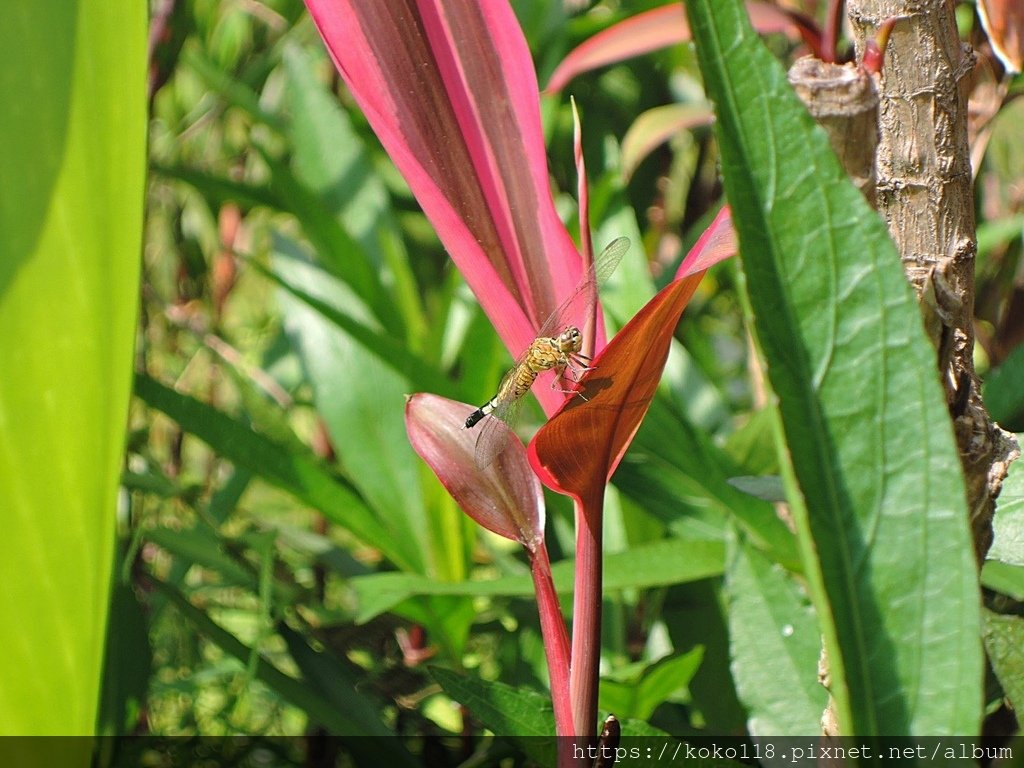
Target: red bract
x=450, y=90
x=579, y=448
x=582, y=444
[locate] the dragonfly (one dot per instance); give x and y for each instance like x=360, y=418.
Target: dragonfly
x=557, y=347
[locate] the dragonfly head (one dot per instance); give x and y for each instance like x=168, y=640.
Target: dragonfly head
x=570, y=340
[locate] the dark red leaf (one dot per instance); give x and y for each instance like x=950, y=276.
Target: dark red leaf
x=1004, y=24
x=582, y=444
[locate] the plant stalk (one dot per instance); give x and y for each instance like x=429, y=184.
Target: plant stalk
x=586, y=614
x=556, y=639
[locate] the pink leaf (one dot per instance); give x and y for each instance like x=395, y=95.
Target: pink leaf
x=505, y=498
x=656, y=126
x=717, y=243
x=450, y=90
x=660, y=28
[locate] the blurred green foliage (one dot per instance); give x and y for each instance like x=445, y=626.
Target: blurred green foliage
x=293, y=293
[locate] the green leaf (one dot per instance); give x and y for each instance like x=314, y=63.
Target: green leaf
x=1004, y=641
x=301, y=474
x=203, y=546
x=217, y=190
x=752, y=446
x=521, y=715
x=526, y=718
x=641, y=692
x=677, y=473
x=232, y=90
x=1003, y=577
x=1008, y=522
x=72, y=185
x=390, y=351
x=766, y=487
x=329, y=239
x=448, y=620
x=353, y=719
x=774, y=641
x=1004, y=391
x=362, y=403
x=127, y=664
x=340, y=682
x=331, y=159
x=874, y=486
x=669, y=561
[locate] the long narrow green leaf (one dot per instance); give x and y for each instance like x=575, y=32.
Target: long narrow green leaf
x=331, y=159
x=877, y=494
x=217, y=190
x=72, y=176
x=675, y=469
x=340, y=682
x=301, y=474
x=664, y=562
x=334, y=246
x=229, y=88
x=774, y=645
x=388, y=350
x=361, y=401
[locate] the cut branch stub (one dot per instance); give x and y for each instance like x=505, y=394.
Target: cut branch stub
x=843, y=101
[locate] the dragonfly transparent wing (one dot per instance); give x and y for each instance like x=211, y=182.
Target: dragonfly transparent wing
x=578, y=305
x=495, y=430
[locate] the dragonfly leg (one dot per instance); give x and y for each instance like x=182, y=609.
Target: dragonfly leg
x=573, y=379
x=578, y=366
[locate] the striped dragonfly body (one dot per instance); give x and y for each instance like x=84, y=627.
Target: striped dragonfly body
x=560, y=353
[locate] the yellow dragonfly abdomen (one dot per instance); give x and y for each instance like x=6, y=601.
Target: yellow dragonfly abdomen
x=560, y=353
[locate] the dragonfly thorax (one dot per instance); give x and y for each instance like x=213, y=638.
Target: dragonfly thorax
x=547, y=352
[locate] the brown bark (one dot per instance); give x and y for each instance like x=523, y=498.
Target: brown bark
x=925, y=193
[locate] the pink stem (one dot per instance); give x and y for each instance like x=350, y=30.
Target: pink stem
x=556, y=639
x=582, y=189
x=586, y=614
x=830, y=34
